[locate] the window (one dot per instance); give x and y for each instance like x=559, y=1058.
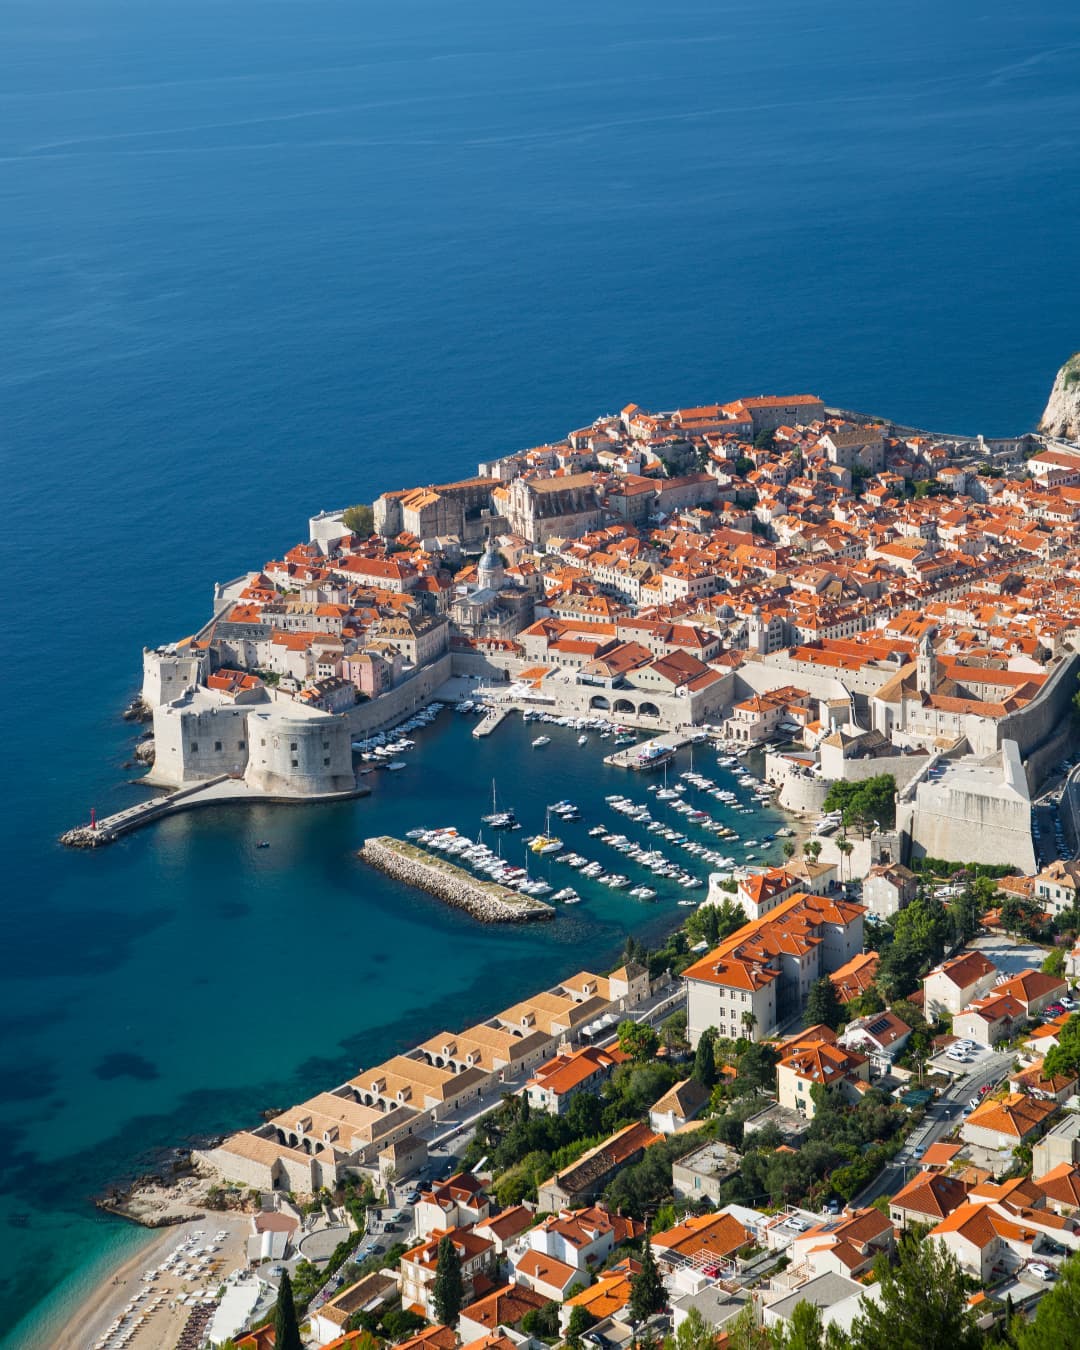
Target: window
x=194, y=747
x=296, y=763
x=292, y=745
x=326, y=745
x=241, y=745
x=326, y=761
x=217, y=745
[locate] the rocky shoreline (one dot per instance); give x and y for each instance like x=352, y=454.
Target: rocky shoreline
x=485, y=901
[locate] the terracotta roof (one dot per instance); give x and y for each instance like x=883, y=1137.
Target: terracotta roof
x=931, y=1193
x=1015, y=1115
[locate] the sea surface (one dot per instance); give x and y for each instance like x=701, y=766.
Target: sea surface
x=259, y=259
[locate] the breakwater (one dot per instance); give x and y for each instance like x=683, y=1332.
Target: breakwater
x=486, y=901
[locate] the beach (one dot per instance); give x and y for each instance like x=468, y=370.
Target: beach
x=163, y=1316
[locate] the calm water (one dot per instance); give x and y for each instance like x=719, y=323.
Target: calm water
x=260, y=259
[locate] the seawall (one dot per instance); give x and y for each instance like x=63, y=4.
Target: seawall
x=484, y=900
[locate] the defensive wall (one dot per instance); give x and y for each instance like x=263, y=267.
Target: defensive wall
x=397, y=704
x=978, y=811
x=1041, y=720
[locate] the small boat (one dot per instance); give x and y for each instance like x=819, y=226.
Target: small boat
x=397, y=764
x=583, y=740
x=541, y=741
x=263, y=843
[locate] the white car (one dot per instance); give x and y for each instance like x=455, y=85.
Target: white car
x=1042, y=1272
x=796, y=1224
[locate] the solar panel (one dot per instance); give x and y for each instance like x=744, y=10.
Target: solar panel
x=881, y=1024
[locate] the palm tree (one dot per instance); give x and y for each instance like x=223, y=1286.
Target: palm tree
x=812, y=849
x=749, y=1022
x=846, y=848
x=789, y=850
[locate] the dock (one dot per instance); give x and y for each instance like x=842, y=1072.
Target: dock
x=669, y=740
x=493, y=718
x=220, y=791
x=486, y=901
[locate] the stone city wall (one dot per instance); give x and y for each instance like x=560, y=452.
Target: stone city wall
x=395, y=705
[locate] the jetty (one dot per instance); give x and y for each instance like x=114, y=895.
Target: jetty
x=628, y=757
x=493, y=718
x=484, y=900
x=224, y=790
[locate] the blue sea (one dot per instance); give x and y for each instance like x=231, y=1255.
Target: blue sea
x=259, y=259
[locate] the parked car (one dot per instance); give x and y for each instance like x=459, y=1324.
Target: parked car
x=1055, y=1009
x=1042, y=1272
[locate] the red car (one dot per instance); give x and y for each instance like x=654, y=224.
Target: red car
x=984, y=1089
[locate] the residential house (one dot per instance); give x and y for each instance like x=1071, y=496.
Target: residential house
x=504, y=1308
x=927, y=1198
x=583, y=1180
x=855, y=976
x=990, y=1019
x=846, y=1245
x=555, y=1084
x=702, y=1241
x=418, y=1265
x=888, y=888
x=761, y=975
x=815, y=1059
x=1001, y=1124
x=608, y=1297
x=882, y=1036
x=679, y=1105
x=329, y=1321
x=951, y=986
x=458, y=1202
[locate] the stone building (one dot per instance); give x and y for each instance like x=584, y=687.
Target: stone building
x=540, y=508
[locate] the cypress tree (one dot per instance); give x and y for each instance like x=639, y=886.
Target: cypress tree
x=286, y=1330
x=447, y=1292
x=705, y=1059
x=647, y=1293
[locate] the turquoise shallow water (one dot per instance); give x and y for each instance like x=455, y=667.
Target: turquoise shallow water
x=265, y=258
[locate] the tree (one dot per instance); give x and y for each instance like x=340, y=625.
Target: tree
x=923, y=1304
x=1058, y=1316
x=638, y=1040
x=647, y=1292
x=1064, y=1058
x=581, y=1319
x=694, y=1332
x=812, y=849
x=542, y=1321
x=873, y=798
x=823, y=1005
x=705, y=1058
x=845, y=849
x=447, y=1292
x=804, y=1330
x=1055, y=962
x=757, y=1068
x=743, y=1332
x=673, y=1032
x=749, y=1022
x=789, y=850
x=359, y=520
x=286, y=1330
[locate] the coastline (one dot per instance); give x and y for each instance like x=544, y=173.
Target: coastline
x=96, y=1295
x=104, y=1303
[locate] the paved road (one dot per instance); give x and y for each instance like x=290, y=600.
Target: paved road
x=942, y=1117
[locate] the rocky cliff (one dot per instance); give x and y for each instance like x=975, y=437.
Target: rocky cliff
x=1062, y=415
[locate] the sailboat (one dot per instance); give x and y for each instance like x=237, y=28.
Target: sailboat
x=498, y=820
x=546, y=842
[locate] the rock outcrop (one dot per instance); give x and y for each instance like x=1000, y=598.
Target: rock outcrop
x=1062, y=415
